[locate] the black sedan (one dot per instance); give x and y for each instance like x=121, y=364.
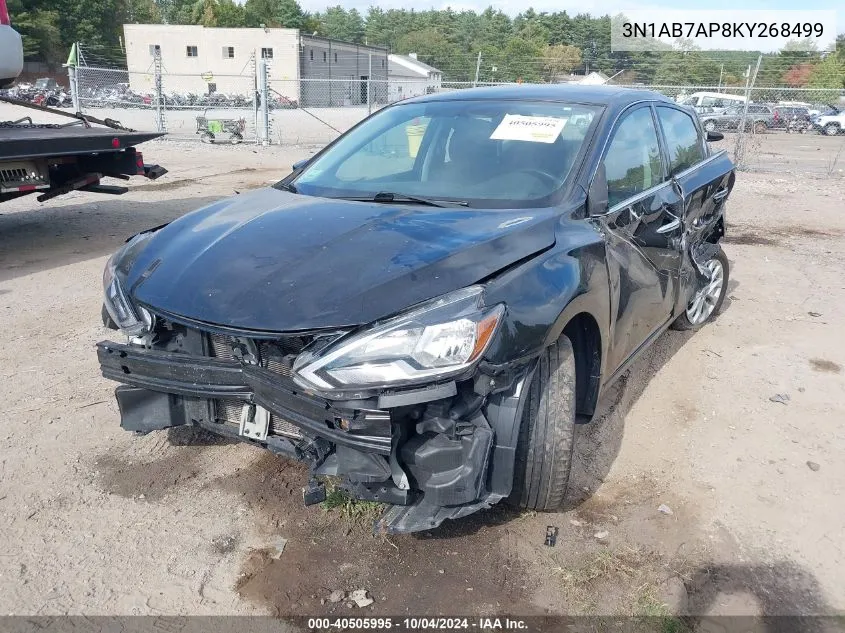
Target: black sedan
x=427, y=307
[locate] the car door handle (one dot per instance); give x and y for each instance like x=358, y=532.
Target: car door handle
x=668, y=228
x=721, y=194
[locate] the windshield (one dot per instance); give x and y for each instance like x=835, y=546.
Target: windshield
x=506, y=153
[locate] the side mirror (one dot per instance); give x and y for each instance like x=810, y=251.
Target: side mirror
x=713, y=135
x=597, y=201
x=300, y=164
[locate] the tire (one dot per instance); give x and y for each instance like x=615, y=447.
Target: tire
x=547, y=431
x=207, y=137
x=760, y=127
x=710, y=126
x=831, y=129
x=235, y=138
x=683, y=321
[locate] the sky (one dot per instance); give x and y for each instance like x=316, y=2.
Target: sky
x=595, y=7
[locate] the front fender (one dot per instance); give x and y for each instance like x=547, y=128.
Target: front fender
x=544, y=293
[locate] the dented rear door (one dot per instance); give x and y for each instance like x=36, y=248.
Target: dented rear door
x=704, y=181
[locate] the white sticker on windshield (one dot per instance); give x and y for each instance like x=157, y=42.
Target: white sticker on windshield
x=537, y=129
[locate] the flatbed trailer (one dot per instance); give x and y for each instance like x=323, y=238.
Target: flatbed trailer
x=52, y=159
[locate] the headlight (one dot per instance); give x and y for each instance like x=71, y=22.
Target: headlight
x=439, y=338
x=131, y=321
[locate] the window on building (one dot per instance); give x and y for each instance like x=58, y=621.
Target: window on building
x=324, y=57
x=311, y=54
x=191, y=51
x=155, y=49
x=266, y=53
x=228, y=52
x=335, y=58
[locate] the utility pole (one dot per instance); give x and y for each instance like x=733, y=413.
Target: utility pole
x=477, y=70
x=370, y=83
x=721, y=72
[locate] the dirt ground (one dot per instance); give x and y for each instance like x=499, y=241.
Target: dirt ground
x=737, y=430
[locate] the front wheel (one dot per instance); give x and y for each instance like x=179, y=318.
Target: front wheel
x=831, y=129
x=547, y=431
x=706, y=303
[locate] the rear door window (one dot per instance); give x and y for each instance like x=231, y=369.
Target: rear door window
x=684, y=144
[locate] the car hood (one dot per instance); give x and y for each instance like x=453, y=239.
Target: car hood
x=274, y=261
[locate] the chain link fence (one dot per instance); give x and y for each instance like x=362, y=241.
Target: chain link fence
x=258, y=105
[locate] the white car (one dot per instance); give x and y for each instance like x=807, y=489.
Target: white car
x=11, y=49
x=830, y=124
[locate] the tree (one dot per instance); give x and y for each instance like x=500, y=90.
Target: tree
x=798, y=76
x=560, y=59
x=340, y=24
x=274, y=13
x=830, y=73
x=39, y=29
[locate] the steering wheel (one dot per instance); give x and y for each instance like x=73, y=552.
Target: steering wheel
x=545, y=176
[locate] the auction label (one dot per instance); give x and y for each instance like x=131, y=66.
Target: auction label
x=537, y=129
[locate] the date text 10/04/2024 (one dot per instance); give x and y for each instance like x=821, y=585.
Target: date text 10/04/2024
x=418, y=624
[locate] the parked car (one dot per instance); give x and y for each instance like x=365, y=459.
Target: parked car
x=47, y=84
x=758, y=118
x=429, y=324
x=11, y=49
x=783, y=116
x=830, y=123
x=711, y=102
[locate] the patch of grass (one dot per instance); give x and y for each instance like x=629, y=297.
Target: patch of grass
x=648, y=606
x=580, y=583
x=351, y=510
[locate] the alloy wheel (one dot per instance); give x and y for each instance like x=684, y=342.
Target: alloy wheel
x=704, y=302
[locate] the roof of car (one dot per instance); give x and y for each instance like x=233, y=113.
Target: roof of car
x=599, y=95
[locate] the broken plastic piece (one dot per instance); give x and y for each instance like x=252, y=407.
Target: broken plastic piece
x=313, y=493
x=551, y=535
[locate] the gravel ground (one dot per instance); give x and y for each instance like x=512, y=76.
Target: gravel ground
x=737, y=430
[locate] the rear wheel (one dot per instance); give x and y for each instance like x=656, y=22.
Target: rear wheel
x=547, y=431
x=760, y=127
x=831, y=129
x=706, y=303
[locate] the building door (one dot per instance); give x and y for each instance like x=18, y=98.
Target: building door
x=364, y=82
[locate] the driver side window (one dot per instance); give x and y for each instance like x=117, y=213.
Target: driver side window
x=632, y=161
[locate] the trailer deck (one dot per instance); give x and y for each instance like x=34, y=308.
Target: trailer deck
x=26, y=142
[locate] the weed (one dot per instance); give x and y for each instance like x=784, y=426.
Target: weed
x=351, y=510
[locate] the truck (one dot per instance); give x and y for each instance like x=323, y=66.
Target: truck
x=51, y=159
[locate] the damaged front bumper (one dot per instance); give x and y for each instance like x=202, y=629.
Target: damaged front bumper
x=433, y=453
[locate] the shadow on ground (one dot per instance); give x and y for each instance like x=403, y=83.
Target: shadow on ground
x=39, y=238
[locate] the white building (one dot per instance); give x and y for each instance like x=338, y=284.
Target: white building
x=409, y=77
x=202, y=60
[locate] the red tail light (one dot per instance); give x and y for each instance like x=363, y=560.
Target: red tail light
x=4, y=13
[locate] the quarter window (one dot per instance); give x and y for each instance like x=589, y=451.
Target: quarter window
x=632, y=162
x=683, y=143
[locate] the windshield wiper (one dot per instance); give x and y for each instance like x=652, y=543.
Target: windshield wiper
x=287, y=187
x=389, y=196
